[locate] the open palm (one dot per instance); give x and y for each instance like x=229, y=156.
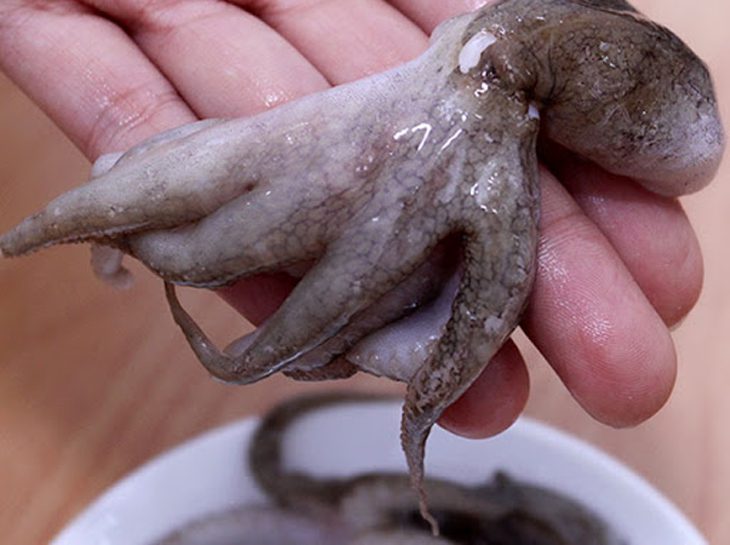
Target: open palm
x=617, y=265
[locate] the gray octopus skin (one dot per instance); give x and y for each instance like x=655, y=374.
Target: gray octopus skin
x=366, y=179
x=381, y=507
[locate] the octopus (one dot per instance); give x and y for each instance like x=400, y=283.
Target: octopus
x=410, y=199
x=380, y=508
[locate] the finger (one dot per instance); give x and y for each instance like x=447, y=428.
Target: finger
x=652, y=234
x=359, y=38
x=163, y=34
x=251, y=66
x=344, y=40
x=257, y=297
x=233, y=43
x=495, y=399
x=591, y=320
x=87, y=75
x=429, y=14
x=223, y=61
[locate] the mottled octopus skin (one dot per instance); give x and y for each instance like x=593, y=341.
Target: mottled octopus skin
x=365, y=181
x=380, y=508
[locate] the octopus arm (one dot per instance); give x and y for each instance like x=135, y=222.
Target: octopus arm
x=349, y=278
x=409, y=298
x=188, y=173
x=498, y=270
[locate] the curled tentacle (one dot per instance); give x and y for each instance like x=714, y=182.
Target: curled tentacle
x=383, y=505
x=498, y=267
x=286, y=487
x=349, y=277
x=350, y=350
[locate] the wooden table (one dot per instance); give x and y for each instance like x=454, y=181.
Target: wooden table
x=94, y=381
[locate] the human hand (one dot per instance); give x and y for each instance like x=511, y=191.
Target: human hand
x=617, y=264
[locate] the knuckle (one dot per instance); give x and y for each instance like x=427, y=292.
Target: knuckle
x=128, y=116
x=14, y=14
x=167, y=16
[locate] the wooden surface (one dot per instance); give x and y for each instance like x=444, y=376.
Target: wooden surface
x=94, y=382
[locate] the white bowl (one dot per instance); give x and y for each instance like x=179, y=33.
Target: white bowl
x=209, y=474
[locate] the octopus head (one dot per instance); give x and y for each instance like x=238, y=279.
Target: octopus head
x=618, y=89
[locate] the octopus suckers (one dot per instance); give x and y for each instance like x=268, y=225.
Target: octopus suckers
x=493, y=324
x=472, y=51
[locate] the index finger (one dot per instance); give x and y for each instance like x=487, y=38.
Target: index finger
x=428, y=15
x=86, y=74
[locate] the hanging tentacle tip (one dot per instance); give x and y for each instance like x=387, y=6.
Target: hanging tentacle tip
x=108, y=266
x=5, y=246
x=427, y=516
x=414, y=432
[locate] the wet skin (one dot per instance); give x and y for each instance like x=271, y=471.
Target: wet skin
x=375, y=187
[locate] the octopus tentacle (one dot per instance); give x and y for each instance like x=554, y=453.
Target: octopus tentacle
x=379, y=507
x=158, y=141
x=498, y=266
x=104, y=163
x=416, y=290
x=338, y=368
x=401, y=347
x=217, y=363
x=350, y=277
x=188, y=173
x=266, y=235
x=107, y=261
x=99, y=210
x=291, y=488
x=365, y=500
